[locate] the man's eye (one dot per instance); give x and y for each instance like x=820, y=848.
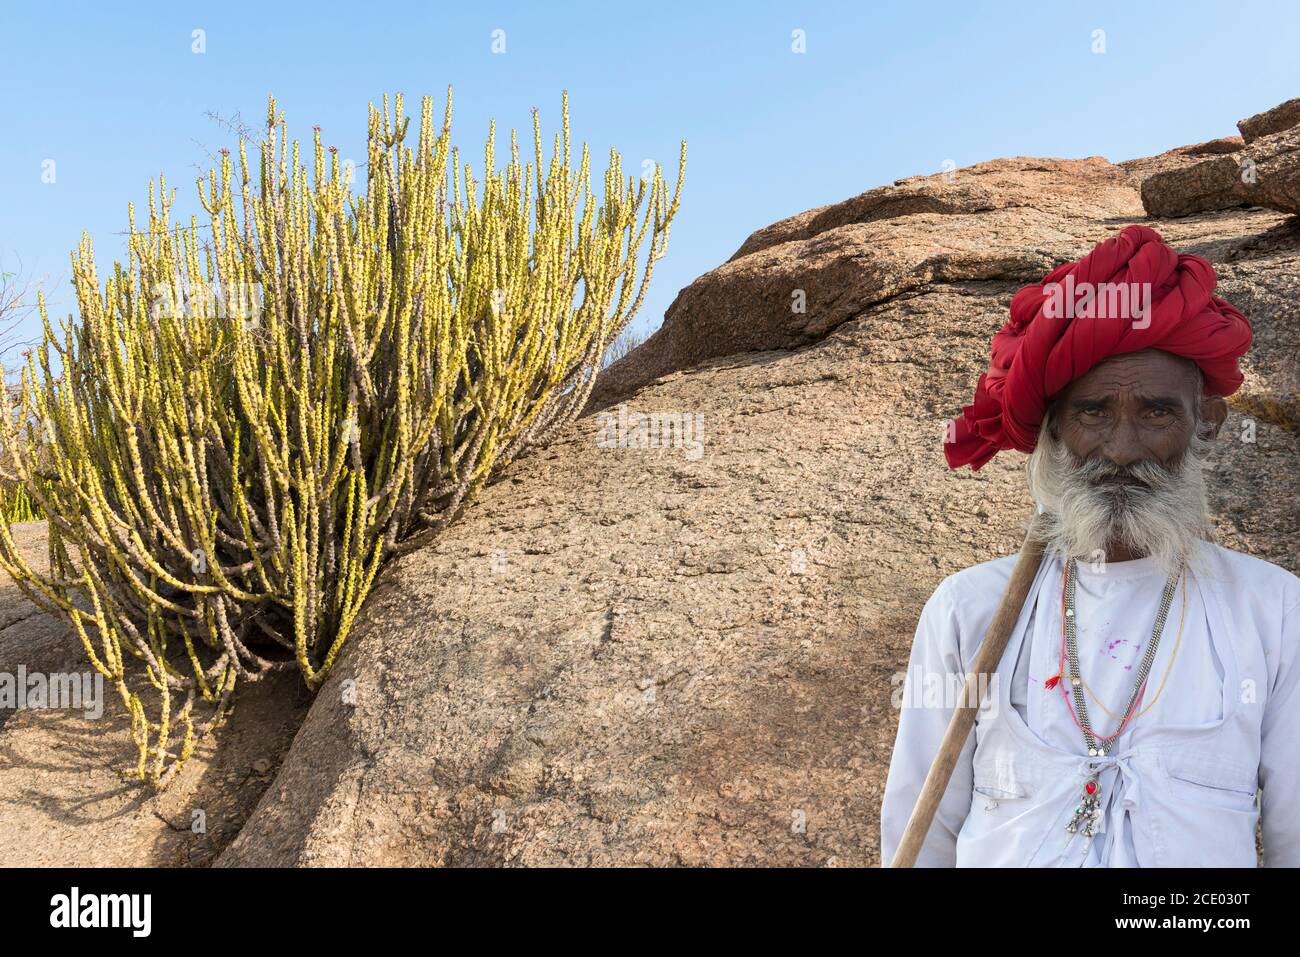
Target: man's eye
x=1093, y=410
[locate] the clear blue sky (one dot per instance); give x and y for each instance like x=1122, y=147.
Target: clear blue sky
x=114, y=94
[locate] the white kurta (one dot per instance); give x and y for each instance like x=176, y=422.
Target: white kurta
x=1179, y=785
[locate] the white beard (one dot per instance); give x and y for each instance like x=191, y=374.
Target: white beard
x=1162, y=514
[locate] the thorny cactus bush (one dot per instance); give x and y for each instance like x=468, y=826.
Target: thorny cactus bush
x=16, y=505
x=227, y=472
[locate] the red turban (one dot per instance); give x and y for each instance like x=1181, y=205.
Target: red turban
x=1043, y=348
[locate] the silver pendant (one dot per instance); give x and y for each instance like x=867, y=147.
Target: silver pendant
x=1088, y=813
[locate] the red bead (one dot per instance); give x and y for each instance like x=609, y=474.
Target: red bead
x=1091, y=787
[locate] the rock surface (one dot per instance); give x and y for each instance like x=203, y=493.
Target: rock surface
x=639, y=655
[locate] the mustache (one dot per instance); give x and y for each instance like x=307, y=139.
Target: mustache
x=1146, y=473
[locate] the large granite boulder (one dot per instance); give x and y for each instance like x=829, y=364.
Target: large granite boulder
x=794, y=281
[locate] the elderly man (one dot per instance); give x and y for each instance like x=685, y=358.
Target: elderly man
x=1151, y=686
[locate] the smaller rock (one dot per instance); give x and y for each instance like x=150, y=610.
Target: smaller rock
x=1265, y=173
x=1281, y=117
x=1139, y=169
x=1185, y=190
x=261, y=765
x=1274, y=172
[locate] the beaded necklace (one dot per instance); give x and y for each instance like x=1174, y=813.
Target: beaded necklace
x=1089, y=810
x=1163, y=678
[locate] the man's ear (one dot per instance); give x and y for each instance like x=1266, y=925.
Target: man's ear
x=1049, y=416
x=1214, y=410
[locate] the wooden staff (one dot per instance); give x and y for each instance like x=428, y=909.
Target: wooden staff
x=963, y=718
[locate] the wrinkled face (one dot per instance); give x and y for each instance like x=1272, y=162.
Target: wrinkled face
x=1133, y=408
x=1119, y=465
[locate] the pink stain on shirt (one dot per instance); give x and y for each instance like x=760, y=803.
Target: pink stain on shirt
x=1110, y=647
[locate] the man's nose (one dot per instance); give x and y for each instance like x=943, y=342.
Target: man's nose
x=1123, y=446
